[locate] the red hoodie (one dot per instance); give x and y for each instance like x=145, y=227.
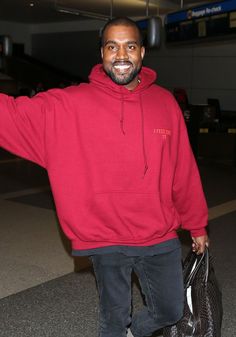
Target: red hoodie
x=119, y=161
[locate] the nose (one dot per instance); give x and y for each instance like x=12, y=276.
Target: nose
x=122, y=54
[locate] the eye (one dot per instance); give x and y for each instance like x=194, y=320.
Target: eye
x=132, y=47
x=111, y=47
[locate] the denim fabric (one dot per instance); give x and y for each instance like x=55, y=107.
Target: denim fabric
x=161, y=281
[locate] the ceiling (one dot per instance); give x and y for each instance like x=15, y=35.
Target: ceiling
x=45, y=11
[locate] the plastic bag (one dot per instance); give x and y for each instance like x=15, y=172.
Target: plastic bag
x=203, y=300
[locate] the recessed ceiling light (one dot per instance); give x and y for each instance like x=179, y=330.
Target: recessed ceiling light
x=31, y=4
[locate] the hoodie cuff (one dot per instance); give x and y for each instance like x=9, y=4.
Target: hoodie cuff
x=198, y=232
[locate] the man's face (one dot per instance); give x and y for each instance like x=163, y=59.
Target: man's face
x=122, y=55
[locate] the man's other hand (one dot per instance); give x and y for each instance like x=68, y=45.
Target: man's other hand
x=200, y=243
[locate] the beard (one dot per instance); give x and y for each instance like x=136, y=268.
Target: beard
x=125, y=77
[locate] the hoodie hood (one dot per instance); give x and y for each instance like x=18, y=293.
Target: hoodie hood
x=99, y=78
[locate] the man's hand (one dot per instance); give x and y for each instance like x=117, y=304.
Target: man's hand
x=200, y=243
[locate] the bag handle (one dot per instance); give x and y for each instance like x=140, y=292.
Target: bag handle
x=199, y=259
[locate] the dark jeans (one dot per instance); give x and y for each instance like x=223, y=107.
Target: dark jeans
x=161, y=281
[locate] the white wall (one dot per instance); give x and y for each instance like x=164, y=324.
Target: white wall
x=70, y=26
x=22, y=33
x=206, y=70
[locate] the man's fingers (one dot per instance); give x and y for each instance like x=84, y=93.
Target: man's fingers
x=199, y=244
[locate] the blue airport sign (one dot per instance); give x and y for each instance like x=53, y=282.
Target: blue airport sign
x=201, y=11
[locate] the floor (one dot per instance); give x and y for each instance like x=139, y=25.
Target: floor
x=45, y=292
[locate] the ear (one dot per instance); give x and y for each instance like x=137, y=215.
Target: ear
x=142, y=52
x=101, y=50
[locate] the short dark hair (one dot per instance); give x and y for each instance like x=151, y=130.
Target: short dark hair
x=124, y=21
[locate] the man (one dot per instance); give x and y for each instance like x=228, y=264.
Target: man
x=123, y=178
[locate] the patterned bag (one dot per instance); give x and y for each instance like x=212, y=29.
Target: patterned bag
x=203, y=301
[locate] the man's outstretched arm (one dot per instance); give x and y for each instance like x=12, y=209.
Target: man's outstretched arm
x=22, y=126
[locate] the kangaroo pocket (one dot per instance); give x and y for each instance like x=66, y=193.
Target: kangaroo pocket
x=123, y=217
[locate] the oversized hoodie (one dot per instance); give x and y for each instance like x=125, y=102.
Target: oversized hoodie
x=119, y=162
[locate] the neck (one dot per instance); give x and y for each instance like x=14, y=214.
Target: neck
x=132, y=85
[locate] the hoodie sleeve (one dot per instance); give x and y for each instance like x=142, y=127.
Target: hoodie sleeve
x=22, y=126
x=188, y=193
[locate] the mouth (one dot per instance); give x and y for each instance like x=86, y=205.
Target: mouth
x=122, y=67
